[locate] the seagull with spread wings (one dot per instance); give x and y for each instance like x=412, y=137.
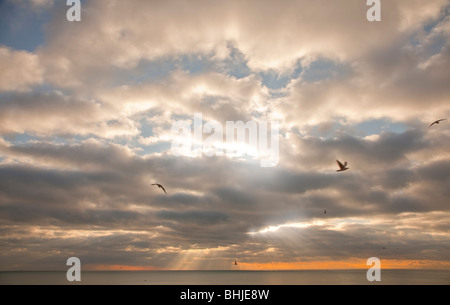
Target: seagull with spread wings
x=437, y=122
x=342, y=167
x=161, y=187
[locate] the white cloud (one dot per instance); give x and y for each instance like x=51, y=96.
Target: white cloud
x=271, y=35
x=20, y=70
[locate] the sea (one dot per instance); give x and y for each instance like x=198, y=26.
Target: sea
x=224, y=278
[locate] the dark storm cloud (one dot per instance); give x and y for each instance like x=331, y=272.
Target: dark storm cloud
x=103, y=179
x=87, y=156
x=388, y=149
x=234, y=196
x=193, y=217
x=48, y=114
x=396, y=178
x=437, y=172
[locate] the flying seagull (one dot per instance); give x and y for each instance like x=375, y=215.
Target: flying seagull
x=160, y=186
x=342, y=167
x=437, y=122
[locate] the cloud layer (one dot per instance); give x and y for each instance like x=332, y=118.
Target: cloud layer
x=86, y=118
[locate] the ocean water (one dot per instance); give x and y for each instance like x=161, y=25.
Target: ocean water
x=303, y=277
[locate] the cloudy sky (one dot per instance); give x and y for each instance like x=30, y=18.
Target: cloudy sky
x=87, y=111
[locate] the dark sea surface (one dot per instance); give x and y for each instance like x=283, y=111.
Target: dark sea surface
x=303, y=277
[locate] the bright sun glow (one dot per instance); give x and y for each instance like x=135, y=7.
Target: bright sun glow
x=335, y=224
x=300, y=225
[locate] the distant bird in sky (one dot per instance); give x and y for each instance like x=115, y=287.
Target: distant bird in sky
x=342, y=167
x=235, y=263
x=437, y=122
x=324, y=211
x=160, y=186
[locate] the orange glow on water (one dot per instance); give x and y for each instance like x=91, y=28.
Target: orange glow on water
x=311, y=265
x=350, y=264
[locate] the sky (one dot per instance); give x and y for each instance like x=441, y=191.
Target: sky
x=88, y=121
